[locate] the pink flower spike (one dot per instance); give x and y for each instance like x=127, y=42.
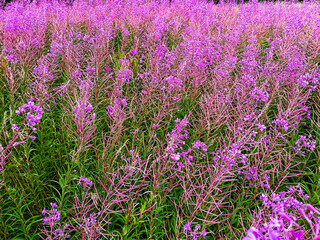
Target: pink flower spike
x=312, y=208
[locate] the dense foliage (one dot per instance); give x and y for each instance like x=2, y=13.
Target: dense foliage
x=142, y=119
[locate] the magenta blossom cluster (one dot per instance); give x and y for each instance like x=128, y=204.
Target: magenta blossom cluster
x=307, y=80
x=195, y=233
x=230, y=156
x=10, y=55
x=33, y=114
x=247, y=74
x=176, y=138
x=281, y=124
x=175, y=141
x=53, y=215
x=283, y=210
x=85, y=182
x=52, y=220
x=115, y=109
x=305, y=144
x=200, y=145
x=82, y=112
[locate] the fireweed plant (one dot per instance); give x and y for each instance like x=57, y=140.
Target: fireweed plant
x=141, y=119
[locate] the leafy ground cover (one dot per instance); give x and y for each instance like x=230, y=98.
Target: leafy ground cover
x=143, y=119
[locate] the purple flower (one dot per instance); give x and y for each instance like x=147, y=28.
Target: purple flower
x=53, y=205
x=194, y=235
x=259, y=95
x=204, y=234
x=197, y=227
x=198, y=144
x=252, y=234
x=86, y=183
x=32, y=138
x=261, y=127
x=175, y=157
x=249, y=118
x=15, y=127
x=297, y=235
x=282, y=123
x=187, y=227
x=274, y=235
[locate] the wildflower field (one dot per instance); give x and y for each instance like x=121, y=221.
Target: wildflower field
x=145, y=119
